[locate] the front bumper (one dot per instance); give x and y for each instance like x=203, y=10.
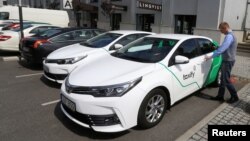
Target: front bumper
x=123, y=111
x=57, y=73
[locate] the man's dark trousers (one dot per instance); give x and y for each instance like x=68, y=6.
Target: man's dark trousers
x=226, y=69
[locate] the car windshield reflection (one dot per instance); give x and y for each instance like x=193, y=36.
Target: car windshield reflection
x=147, y=50
x=101, y=40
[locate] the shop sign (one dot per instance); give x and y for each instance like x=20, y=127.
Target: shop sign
x=67, y=4
x=150, y=6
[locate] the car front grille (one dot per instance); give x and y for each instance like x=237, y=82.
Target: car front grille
x=56, y=76
x=94, y=120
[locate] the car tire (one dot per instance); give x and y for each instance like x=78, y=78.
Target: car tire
x=152, y=109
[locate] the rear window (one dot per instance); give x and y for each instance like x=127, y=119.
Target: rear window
x=49, y=33
x=4, y=15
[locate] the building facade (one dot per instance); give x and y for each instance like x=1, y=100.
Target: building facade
x=78, y=17
x=200, y=17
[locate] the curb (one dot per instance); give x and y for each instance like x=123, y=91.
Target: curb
x=188, y=134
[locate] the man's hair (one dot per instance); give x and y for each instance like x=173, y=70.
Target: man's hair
x=223, y=25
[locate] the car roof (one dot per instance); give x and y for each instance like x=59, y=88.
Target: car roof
x=129, y=31
x=177, y=36
x=65, y=29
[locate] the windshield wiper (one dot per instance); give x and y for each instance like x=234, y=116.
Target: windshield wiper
x=135, y=59
x=87, y=44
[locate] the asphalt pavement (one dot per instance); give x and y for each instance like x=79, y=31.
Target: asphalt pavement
x=29, y=107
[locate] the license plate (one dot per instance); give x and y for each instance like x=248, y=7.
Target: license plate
x=45, y=68
x=68, y=103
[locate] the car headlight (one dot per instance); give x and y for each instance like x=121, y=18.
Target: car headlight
x=70, y=60
x=102, y=91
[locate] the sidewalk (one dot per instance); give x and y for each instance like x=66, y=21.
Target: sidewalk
x=226, y=114
x=242, y=67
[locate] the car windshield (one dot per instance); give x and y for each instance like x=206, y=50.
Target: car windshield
x=101, y=40
x=49, y=33
x=147, y=50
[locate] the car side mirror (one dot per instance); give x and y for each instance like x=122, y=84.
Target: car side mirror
x=181, y=59
x=118, y=46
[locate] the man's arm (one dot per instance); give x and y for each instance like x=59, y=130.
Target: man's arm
x=224, y=46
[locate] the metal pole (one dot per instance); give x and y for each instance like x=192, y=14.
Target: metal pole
x=21, y=18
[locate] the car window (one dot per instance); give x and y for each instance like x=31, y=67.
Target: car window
x=148, y=50
x=188, y=49
x=142, y=35
x=127, y=39
x=97, y=32
x=49, y=33
x=83, y=34
x=206, y=46
x=101, y=40
x=41, y=29
x=64, y=37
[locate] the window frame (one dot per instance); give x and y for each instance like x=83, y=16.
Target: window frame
x=200, y=50
x=171, y=61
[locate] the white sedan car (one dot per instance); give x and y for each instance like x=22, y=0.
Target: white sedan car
x=61, y=62
x=10, y=39
x=136, y=84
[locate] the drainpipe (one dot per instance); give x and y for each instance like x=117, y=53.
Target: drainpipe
x=244, y=21
x=21, y=18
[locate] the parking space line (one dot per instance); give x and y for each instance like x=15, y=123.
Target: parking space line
x=27, y=75
x=51, y=102
x=13, y=58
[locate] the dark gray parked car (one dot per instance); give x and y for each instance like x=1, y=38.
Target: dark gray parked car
x=33, y=49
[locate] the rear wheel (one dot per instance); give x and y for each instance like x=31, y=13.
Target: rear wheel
x=152, y=109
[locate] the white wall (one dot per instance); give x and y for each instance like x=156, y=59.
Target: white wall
x=234, y=13
x=208, y=14
x=248, y=17
x=189, y=7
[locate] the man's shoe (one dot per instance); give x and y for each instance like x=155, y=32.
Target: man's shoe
x=233, y=100
x=217, y=98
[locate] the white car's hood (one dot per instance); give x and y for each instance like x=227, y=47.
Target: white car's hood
x=109, y=70
x=70, y=51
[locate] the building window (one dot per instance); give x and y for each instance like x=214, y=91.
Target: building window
x=5, y=3
x=93, y=1
x=184, y=24
x=144, y=22
x=115, y=21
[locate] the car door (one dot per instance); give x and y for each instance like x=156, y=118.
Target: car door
x=128, y=39
x=209, y=68
x=186, y=75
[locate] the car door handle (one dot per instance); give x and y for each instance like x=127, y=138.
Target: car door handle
x=200, y=63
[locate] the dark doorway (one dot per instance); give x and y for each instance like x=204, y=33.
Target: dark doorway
x=144, y=21
x=93, y=20
x=184, y=24
x=115, y=21
x=78, y=19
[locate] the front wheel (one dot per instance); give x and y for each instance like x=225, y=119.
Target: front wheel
x=152, y=109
